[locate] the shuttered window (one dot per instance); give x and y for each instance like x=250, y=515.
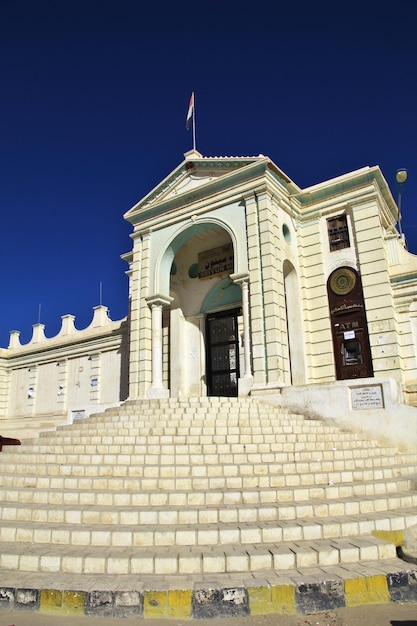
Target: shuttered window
x=338, y=232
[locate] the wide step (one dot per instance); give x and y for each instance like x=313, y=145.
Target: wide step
x=159, y=560
x=203, y=488
x=102, y=528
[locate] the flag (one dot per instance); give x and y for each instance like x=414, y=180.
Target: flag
x=190, y=112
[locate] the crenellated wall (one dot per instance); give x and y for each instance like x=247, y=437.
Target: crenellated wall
x=69, y=376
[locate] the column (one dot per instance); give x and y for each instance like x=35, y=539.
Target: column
x=245, y=384
x=156, y=304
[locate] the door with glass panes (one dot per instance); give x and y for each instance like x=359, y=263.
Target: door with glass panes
x=222, y=348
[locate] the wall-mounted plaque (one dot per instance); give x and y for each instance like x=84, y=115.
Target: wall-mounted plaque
x=367, y=397
x=78, y=415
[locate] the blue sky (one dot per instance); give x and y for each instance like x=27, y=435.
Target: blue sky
x=94, y=95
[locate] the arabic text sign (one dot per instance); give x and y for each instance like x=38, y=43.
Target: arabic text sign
x=215, y=261
x=367, y=397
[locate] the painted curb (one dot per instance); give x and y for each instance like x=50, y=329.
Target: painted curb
x=206, y=601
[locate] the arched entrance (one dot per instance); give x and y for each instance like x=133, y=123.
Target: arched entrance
x=206, y=307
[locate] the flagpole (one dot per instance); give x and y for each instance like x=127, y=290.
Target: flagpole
x=194, y=122
x=191, y=116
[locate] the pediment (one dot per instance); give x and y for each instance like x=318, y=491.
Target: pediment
x=191, y=175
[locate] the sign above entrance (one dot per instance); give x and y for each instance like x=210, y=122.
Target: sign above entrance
x=215, y=261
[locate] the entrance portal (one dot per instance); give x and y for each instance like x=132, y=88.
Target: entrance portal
x=222, y=337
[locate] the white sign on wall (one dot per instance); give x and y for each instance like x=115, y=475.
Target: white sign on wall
x=78, y=415
x=367, y=397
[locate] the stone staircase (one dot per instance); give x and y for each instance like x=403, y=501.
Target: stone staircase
x=234, y=492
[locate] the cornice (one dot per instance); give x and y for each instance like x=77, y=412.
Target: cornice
x=187, y=169
x=201, y=195
x=348, y=183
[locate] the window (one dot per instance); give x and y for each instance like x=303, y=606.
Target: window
x=338, y=232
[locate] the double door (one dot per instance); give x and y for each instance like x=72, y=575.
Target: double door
x=222, y=349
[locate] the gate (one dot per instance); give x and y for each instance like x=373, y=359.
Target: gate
x=222, y=350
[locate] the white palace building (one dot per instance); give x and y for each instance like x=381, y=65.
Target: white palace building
x=242, y=284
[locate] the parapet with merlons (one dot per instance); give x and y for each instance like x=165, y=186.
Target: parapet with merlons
x=100, y=324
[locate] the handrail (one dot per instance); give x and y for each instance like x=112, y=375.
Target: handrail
x=8, y=441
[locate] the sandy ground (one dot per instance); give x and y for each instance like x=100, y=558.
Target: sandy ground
x=370, y=615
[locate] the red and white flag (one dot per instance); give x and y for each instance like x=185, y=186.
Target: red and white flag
x=190, y=112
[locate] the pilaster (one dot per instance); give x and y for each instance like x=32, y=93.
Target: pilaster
x=4, y=386
x=257, y=300
x=144, y=363
x=95, y=382
x=273, y=288
x=380, y=311
x=139, y=359
x=62, y=392
x=32, y=383
x=318, y=338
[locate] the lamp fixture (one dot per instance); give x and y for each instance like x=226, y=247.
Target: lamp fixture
x=401, y=176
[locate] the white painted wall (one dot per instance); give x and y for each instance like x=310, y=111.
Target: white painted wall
x=76, y=368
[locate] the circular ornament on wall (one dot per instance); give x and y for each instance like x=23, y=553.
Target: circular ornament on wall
x=193, y=270
x=342, y=281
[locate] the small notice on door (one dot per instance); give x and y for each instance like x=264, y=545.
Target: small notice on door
x=367, y=397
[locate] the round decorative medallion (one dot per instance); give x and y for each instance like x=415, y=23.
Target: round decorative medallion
x=193, y=270
x=342, y=281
